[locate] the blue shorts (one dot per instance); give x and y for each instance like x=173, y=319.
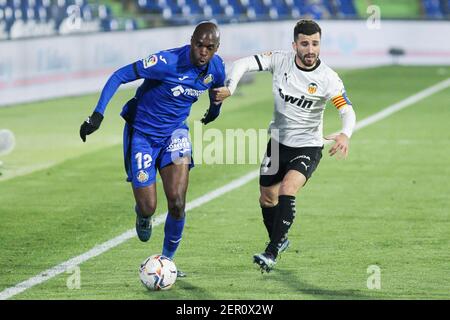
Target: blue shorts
x=143, y=155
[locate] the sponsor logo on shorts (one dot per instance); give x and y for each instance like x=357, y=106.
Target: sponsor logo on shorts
x=142, y=176
x=179, y=144
x=301, y=157
x=306, y=167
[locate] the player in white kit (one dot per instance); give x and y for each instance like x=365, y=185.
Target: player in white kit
x=302, y=84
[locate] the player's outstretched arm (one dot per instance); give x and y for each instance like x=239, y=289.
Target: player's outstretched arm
x=237, y=70
x=92, y=123
x=342, y=140
x=221, y=93
x=341, y=144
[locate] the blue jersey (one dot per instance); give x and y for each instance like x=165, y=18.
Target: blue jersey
x=172, y=84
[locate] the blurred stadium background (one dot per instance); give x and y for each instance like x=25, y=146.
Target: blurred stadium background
x=55, y=48
x=55, y=56
x=33, y=18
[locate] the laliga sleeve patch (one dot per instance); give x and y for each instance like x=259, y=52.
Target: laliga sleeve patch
x=150, y=61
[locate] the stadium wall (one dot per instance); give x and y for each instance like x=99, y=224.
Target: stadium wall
x=37, y=69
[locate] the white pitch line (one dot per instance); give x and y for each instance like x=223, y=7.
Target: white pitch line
x=97, y=250
x=403, y=104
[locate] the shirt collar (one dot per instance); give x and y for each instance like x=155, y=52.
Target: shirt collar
x=307, y=70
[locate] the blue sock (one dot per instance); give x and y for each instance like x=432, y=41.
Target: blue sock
x=173, y=229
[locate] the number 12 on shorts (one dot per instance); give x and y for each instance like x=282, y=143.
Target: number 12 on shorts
x=147, y=160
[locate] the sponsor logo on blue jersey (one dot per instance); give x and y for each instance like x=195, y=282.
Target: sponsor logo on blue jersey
x=176, y=91
x=169, y=75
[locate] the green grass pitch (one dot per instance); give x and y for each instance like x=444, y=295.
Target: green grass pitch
x=386, y=205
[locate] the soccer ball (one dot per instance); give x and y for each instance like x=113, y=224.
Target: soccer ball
x=158, y=272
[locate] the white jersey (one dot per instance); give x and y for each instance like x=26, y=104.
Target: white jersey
x=300, y=96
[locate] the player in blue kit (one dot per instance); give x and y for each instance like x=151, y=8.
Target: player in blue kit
x=156, y=134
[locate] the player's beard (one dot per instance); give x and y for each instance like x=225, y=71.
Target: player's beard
x=309, y=59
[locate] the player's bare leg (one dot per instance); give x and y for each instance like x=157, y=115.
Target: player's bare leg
x=175, y=179
x=145, y=198
x=268, y=196
x=292, y=182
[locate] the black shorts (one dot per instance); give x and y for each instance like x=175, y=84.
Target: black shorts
x=304, y=160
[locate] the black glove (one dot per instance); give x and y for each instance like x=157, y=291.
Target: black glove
x=91, y=124
x=212, y=113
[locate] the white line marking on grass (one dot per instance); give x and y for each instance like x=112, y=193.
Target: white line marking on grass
x=403, y=104
x=97, y=250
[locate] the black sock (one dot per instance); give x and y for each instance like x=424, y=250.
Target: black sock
x=283, y=221
x=269, y=215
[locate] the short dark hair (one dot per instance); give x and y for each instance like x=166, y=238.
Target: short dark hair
x=307, y=27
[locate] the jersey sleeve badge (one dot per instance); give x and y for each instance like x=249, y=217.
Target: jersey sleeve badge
x=150, y=61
